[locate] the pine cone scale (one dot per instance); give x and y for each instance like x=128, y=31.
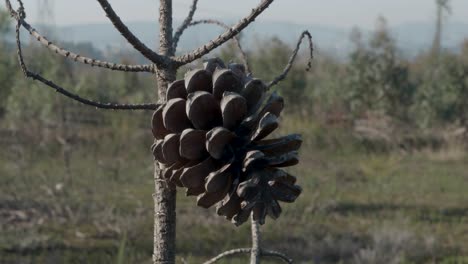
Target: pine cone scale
x=174, y=117
x=233, y=110
x=192, y=144
x=176, y=90
x=219, y=179
x=170, y=148
x=194, y=177
x=203, y=110
x=225, y=80
x=198, y=80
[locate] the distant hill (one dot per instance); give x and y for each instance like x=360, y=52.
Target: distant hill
x=412, y=37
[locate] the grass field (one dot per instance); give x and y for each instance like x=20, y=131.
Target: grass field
x=357, y=206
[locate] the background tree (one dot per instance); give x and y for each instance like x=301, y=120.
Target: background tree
x=6, y=61
x=378, y=79
x=442, y=93
x=4, y=23
x=164, y=65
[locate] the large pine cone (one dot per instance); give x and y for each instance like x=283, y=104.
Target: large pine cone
x=210, y=139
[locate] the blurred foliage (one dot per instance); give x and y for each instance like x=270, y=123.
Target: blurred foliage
x=442, y=93
x=6, y=62
x=7, y=76
x=5, y=26
x=377, y=78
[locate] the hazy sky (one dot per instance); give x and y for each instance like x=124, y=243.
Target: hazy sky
x=343, y=13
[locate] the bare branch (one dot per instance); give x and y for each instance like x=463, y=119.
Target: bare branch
x=57, y=88
x=71, y=55
x=293, y=57
x=12, y=12
x=184, y=25
x=229, y=253
x=256, y=252
x=221, y=39
x=130, y=37
x=77, y=57
x=235, y=38
x=265, y=253
x=279, y=255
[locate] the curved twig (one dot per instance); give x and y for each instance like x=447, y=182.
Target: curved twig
x=293, y=57
x=57, y=88
x=159, y=60
x=279, y=255
x=238, y=251
x=221, y=39
x=228, y=253
x=185, y=24
x=235, y=38
x=256, y=252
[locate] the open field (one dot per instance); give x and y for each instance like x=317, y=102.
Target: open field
x=357, y=206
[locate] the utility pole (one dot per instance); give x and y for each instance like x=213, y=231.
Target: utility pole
x=45, y=12
x=442, y=7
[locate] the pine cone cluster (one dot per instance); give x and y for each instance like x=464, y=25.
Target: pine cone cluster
x=210, y=138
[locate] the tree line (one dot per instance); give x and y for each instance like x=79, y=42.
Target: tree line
x=429, y=90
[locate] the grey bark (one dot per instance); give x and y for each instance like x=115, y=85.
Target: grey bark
x=256, y=252
x=165, y=193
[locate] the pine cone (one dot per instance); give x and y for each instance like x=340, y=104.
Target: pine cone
x=210, y=139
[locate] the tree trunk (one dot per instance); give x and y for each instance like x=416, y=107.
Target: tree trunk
x=165, y=193
x=164, y=220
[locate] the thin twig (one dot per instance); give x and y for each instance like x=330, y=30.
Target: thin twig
x=221, y=39
x=277, y=254
x=16, y=15
x=57, y=88
x=71, y=55
x=235, y=38
x=256, y=242
x=265, y=253
x=185, y=24
x=159, y=60
x=228, y=253
x=293, y=57
x=256, y=252
x=10, y=8
x=83, y=59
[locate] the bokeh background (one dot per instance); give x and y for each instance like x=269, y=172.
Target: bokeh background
x=383, y=113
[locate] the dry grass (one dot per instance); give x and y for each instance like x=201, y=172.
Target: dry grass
x=452, y=151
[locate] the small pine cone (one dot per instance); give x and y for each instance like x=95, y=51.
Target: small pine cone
x=209, y=138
